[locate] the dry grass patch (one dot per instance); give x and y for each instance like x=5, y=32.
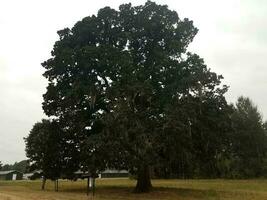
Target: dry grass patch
x=111, y=189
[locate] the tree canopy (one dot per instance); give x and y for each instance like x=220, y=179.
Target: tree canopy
x=124, y=92
x=122, y=83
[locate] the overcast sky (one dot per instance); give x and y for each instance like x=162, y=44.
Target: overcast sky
x=232, y=39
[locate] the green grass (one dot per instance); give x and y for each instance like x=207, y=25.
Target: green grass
x=111, y=189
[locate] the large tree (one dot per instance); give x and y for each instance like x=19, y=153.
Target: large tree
x=123, y=85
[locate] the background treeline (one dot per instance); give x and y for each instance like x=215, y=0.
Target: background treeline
x=22, y=166
x=239, y=153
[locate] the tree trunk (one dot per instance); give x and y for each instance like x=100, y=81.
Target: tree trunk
x=43, y=183
x=143, y=180
x=93, y=186
x=56, y=185
x=87, y=187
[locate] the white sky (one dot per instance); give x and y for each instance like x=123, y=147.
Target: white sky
x=232, y=39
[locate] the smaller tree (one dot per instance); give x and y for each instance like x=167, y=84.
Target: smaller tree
x=43, y=148
x=1, y=165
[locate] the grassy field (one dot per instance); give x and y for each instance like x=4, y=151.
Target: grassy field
x=111, y=189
